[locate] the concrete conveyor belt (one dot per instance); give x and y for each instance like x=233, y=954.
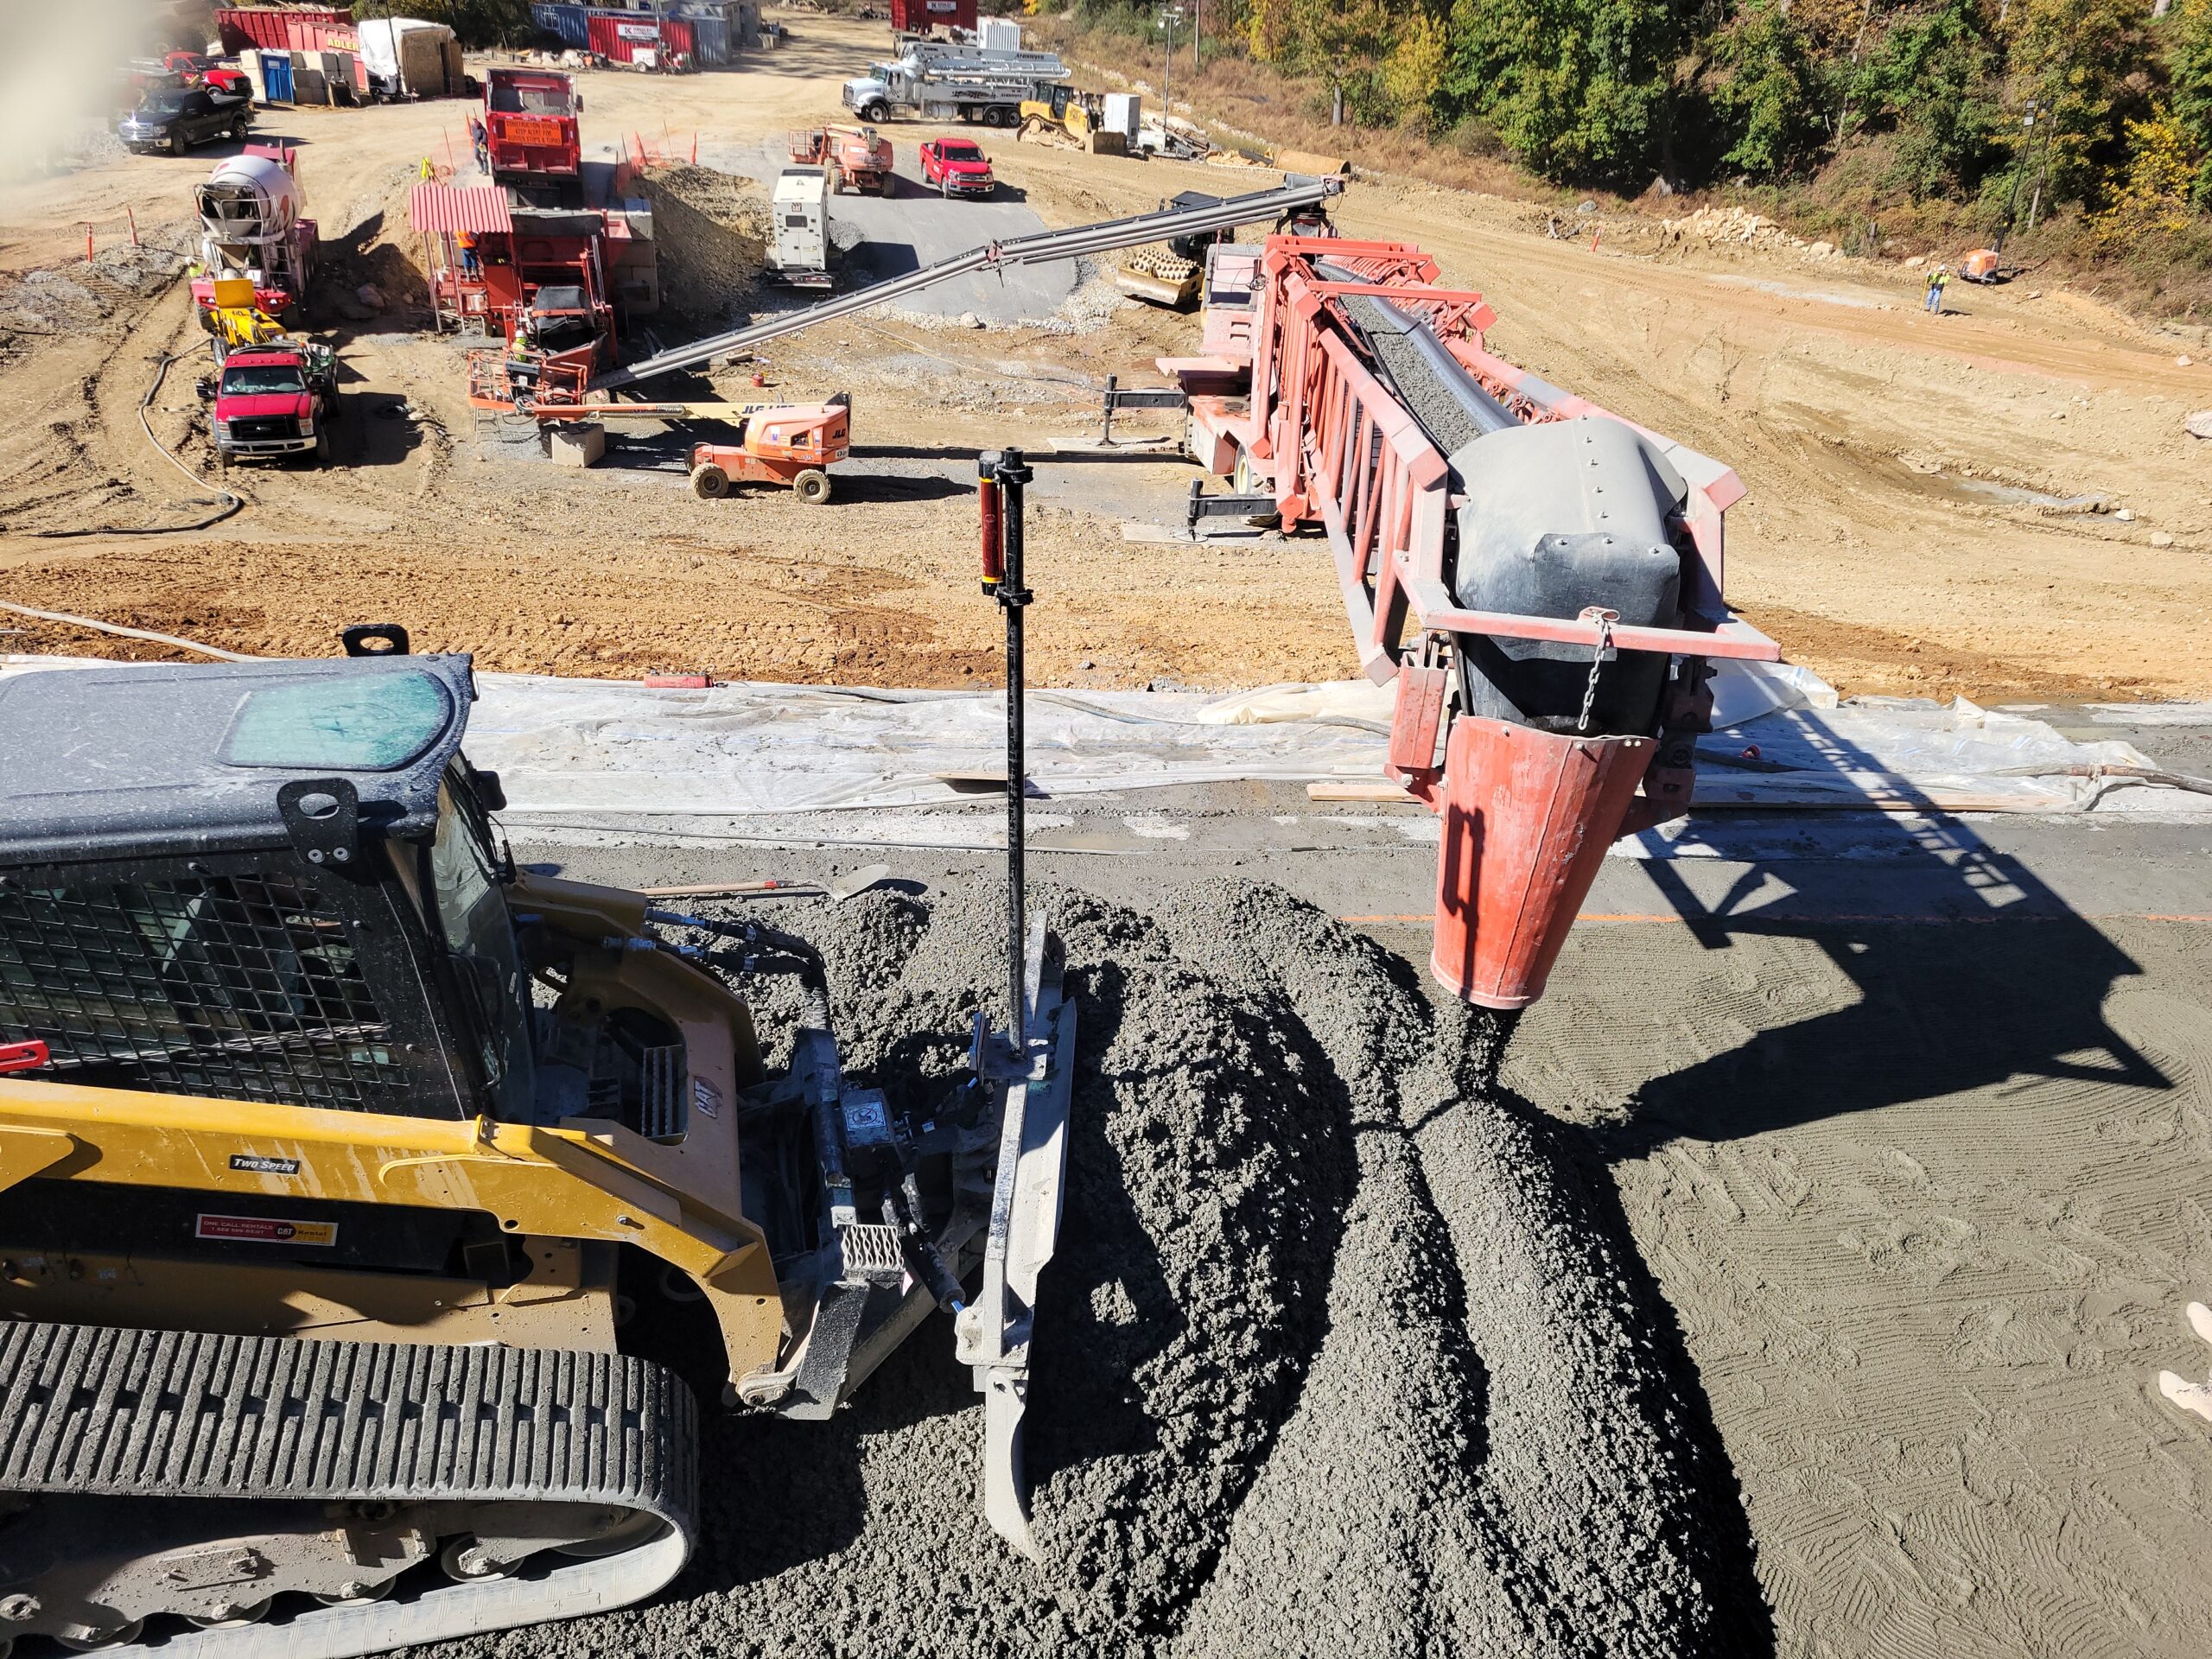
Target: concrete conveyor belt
x=1044, y=247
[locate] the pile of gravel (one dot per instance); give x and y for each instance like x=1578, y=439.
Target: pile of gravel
x=1340, y=1352
x=711, y=231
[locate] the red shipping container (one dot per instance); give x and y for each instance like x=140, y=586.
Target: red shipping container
x=619, y=37
x=920, y=17
x=244, y=27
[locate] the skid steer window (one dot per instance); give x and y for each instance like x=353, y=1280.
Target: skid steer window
x=245, y=986
x=473, y=921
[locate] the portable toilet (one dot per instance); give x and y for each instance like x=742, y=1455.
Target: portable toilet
x=802, y=209
x=276, y=77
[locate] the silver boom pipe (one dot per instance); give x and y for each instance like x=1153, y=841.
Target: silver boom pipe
x=1042, y=247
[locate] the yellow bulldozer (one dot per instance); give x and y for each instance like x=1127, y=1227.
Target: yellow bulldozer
x=352, y=1179
x=1058, y=114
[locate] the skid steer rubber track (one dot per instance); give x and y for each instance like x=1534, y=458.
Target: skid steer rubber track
x=181, y=1425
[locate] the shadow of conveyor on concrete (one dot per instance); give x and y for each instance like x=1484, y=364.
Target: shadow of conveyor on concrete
x=1977, y=971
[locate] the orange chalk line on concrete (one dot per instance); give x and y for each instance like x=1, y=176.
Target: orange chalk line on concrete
x=2033, y=916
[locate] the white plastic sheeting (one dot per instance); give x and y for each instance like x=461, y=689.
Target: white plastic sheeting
x=615, y=747
x=1896, y=756
x=596, y=746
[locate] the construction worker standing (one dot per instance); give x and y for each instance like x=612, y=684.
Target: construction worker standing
x=470, y=266
x=1938, y=279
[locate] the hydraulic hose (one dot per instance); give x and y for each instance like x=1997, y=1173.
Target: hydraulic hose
x=227, y=502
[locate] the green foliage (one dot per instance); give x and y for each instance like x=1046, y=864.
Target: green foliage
x=1773, y=99
x=1934, y=79
x=1413, y=77
x=2189, y=67
x=1577, y=89
x=2075, y=58
x=1887, y=116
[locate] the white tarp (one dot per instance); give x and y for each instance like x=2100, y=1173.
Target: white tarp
x=379, y=38
x=601, y=746
x=612, y=746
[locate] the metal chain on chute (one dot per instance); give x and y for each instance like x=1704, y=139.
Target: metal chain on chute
x=1605, y=620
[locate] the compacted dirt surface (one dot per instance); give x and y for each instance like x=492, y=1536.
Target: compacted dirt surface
x=1921, y=489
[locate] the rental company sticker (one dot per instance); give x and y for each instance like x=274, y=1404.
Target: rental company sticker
x=265, y=1230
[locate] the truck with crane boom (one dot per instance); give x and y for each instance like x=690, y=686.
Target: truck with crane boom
x=943, y=83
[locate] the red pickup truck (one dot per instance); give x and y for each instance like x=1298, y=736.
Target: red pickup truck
x=957, y=167
x=276, y=401
x=197, y=69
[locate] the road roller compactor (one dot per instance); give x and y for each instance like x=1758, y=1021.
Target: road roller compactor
x=352, y=1181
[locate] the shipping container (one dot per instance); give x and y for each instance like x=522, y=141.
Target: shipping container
x=619, y=36
x=711, y=37
x=566, y=22
x=920, y=16
x=242, y=27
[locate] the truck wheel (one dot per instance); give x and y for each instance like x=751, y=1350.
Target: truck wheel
x=878, y=111
x=812, y=486
x=176, y=141
x=994, y=116
x=322, y=444
x=945, y=186
x=238, y=129
x=708, y=481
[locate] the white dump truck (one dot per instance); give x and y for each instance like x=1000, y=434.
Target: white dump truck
x=800, y=255
x=939, y=82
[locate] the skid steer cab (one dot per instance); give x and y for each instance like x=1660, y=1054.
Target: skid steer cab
x=793, y=444
x=372, y=1213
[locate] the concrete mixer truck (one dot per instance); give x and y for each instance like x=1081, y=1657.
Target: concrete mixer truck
x=251, y=226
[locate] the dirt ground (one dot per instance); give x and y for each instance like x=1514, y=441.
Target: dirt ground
x=1898, y=535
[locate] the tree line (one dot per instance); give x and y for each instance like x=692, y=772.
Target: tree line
x=2011, y=108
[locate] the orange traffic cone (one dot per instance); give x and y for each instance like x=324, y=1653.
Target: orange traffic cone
x=1527, y=815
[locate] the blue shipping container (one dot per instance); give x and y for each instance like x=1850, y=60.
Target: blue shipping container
x=276, y=77
x=565, y=21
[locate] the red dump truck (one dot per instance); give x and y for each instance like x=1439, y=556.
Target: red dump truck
x=530, y=125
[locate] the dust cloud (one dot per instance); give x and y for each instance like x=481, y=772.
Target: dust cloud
x=62, y=71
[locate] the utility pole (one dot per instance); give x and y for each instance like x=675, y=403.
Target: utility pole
x=1168, y=16
x=2012, y=195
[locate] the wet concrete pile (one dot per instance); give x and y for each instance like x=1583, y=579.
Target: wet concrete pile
x=1342, y=1350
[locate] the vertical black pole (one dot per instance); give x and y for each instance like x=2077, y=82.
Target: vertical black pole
x=1010, y=474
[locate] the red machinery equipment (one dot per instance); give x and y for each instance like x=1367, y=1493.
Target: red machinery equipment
x=787, y=443
x=1540, y=578
x=858, y=156
x=531, y=137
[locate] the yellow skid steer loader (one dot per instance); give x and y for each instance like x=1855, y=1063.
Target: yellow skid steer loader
x=340, y=1160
